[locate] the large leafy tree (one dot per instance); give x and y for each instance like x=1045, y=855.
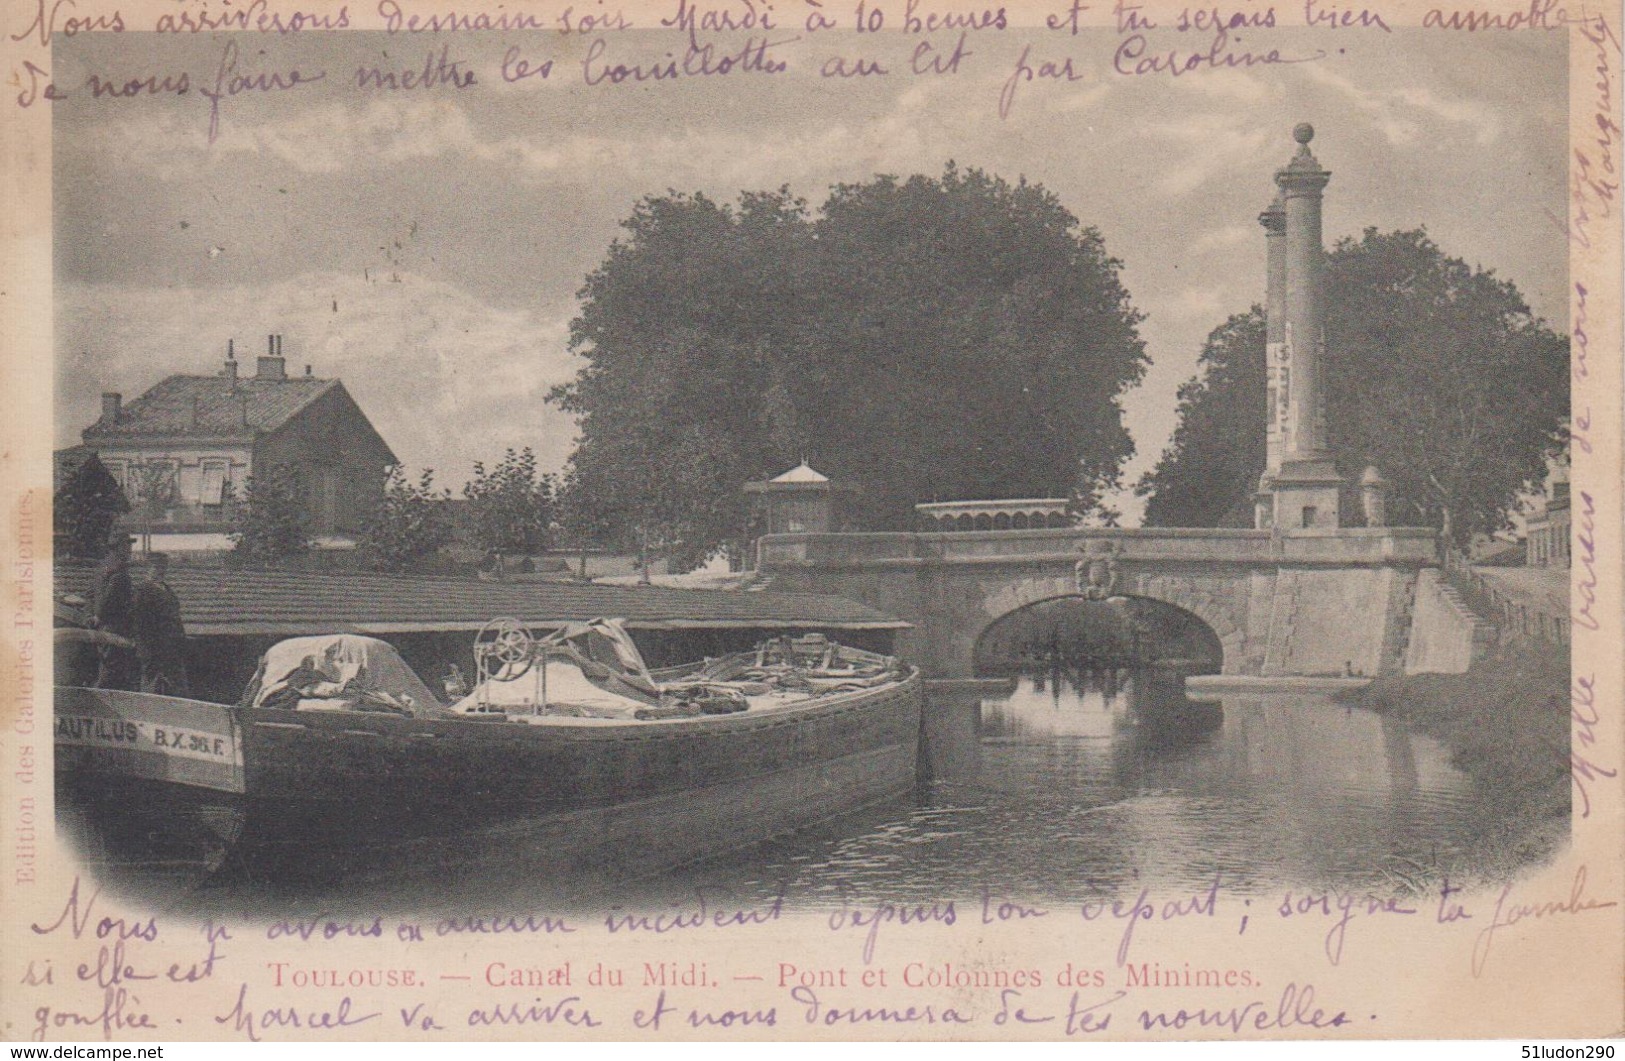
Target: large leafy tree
x=85, y=508
x=1437, y=373
x=977, y=337
x=1207, y=475
x=659, y=483
x=585, y=520
x=1449, y=384
x=923, y=338
x=270, y=522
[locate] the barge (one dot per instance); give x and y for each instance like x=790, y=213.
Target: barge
x=338, y=756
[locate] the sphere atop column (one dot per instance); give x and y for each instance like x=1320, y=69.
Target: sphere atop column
x=1303, y=173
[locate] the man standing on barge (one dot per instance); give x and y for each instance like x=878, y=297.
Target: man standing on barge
x=114, y=607
x=160, y=637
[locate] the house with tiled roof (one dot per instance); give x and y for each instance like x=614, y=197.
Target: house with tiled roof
x=193, y=442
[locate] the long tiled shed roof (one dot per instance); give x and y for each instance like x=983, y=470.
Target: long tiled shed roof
x=227, y=601
x=213, y=406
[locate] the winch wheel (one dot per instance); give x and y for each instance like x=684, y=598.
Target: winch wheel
x=504, y=650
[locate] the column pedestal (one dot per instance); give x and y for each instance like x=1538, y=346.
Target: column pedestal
x=1307, y=495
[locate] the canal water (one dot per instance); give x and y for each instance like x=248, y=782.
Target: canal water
x=1051, y=787
x=1069, y=787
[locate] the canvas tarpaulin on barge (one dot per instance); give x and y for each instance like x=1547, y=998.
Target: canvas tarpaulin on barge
x=361, y=673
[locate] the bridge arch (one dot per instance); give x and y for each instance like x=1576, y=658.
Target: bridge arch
x=1187, y=595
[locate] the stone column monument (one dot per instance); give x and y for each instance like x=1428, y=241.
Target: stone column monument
x=1306, y=484
x=1276, y=381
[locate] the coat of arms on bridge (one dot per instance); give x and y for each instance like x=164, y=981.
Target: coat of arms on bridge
x=1096, y=573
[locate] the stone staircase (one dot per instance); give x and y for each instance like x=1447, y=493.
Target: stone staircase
x=1485, y=633
x=1514, y=617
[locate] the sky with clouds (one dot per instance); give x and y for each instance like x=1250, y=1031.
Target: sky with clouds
x=426, y=246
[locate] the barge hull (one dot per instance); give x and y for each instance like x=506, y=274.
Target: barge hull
x=331, y=795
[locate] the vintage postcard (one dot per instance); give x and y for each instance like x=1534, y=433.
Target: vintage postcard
x=811, y=519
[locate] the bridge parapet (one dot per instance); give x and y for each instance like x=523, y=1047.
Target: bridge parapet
x=800, y=549
x=1346, y=546
x=1354, y=545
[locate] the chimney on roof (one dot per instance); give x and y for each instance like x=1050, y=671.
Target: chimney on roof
x=230, y=371
x=308, y=372
x=272, y=366
x=112, y=405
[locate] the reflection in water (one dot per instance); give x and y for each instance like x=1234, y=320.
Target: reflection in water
x=1076, y=785
x=1074, y=702
x=1056, y=703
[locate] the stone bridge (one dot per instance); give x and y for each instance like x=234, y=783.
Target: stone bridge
x=1314, y=601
